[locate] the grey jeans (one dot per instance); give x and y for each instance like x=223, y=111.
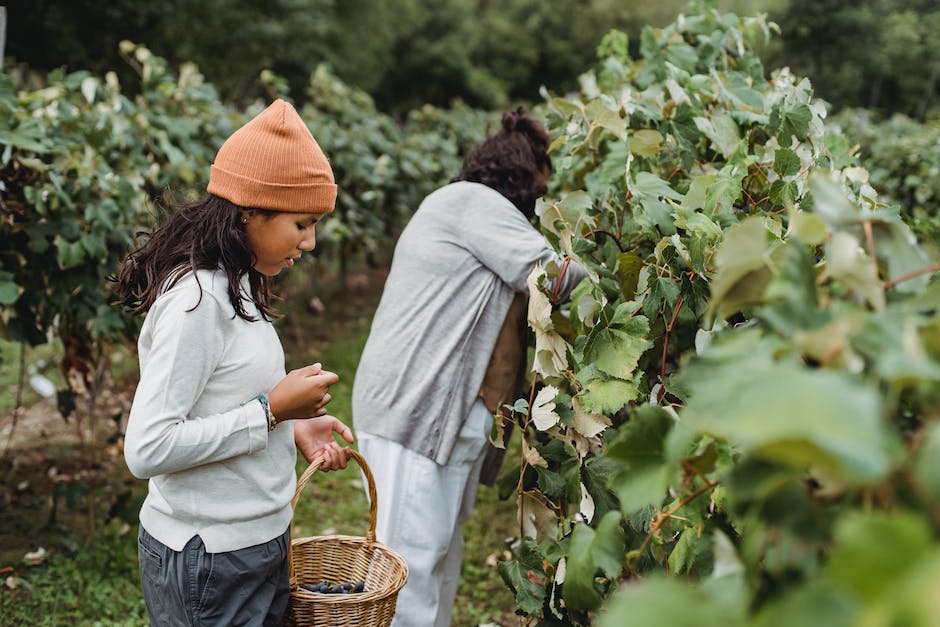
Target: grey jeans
x=191, y=587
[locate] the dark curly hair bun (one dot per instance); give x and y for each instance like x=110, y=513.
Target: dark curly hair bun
x=520, y=121
x=514, y=160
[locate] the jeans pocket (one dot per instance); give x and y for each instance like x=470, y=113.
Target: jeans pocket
x=149, y=558
x=205, y=582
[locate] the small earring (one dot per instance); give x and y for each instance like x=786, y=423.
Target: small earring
x=244, y=220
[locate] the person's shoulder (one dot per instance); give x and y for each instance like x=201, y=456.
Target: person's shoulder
x=200, y=288
x=466, y=194
x=474, y=189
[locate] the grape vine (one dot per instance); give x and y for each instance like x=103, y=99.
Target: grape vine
x=734, y=419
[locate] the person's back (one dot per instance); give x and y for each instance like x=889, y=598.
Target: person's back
x=456, y=267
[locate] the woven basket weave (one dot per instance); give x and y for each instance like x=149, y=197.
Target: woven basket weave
x=340, y=559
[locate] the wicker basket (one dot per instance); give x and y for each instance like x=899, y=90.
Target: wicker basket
x=339, y=559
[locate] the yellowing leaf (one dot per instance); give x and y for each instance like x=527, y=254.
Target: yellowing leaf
x=532, y=456
x=538, y=521
x=587, y=504
x=540, y=308
x=551, y=352
x=601, y=115
x=543, y=408
x=586, y=423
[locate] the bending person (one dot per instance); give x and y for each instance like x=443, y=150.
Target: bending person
x=418, y=410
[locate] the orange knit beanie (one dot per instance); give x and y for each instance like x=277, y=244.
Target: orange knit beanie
x=273, y=162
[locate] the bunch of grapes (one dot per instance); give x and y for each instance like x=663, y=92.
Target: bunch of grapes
x=325, y=587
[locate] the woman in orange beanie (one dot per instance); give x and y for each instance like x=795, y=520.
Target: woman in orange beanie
x=216, y=422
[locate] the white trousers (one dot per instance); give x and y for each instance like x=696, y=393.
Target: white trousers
x=421, y=510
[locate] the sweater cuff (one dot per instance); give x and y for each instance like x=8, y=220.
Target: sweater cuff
x=257, y=423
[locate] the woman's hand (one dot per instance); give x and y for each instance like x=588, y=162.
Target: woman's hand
x=314, y=437
x=303, y=393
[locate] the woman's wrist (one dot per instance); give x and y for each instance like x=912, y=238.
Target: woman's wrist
x=266, y=406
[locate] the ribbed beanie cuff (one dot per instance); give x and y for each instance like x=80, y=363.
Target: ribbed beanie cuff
x=273, y=162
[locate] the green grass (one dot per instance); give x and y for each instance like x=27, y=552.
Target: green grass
x=90, y=577
x=96, y=585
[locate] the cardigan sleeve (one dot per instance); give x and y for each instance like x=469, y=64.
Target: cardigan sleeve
x=180, y=349
x=505, y=242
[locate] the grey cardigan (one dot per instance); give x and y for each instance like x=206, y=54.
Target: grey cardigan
x=456, y=266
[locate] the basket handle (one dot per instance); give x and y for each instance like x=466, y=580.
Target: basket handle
x=373, y=498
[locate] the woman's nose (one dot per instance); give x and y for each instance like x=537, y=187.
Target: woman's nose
x=308, y=242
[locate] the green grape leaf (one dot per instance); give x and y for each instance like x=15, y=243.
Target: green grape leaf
x=600, y=115
x=591, y=551
x=742, y=267
x=616, y=350
x=808, y=227
x=927, y=461
x=849, y=264
x=649, y=185
x=662, y=602
x=646, y=143
x=817, y=603
x=9, y=290
x=529, y=595
x=793, y=123
x=825, y=421
x=607, y=397
x=786, y=162
x=784, y=193
x=628, y=273
x=872, y=551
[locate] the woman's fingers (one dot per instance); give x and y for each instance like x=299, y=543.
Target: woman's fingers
x=343, y=429
x=308, y=371
x=334, y=457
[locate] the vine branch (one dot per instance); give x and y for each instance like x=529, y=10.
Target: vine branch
x=669, y=327
x=522, y=464
x=661, y=517
x=934, y=267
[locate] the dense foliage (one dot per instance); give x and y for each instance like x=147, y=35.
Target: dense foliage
x=735, y=419
x=85, y=167
x=903, y=159
x=405, y=53
x=878, y=54
x=80, y=165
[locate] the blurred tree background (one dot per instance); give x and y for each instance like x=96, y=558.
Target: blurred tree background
x=405, y=53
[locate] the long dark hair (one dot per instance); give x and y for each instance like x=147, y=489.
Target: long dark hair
x=514, y=161
x=203, y=235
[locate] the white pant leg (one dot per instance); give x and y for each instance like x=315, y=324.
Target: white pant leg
x=454, y=559
x=421, y=507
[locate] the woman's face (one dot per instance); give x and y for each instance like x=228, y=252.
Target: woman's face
x=278, y=239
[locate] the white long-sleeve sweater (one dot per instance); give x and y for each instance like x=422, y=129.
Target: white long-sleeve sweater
x=194, y=431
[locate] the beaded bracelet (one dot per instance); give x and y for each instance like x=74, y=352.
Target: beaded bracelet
x=263, y=399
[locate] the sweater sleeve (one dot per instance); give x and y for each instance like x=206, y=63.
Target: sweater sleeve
x=505, y=242
x=183, y=349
